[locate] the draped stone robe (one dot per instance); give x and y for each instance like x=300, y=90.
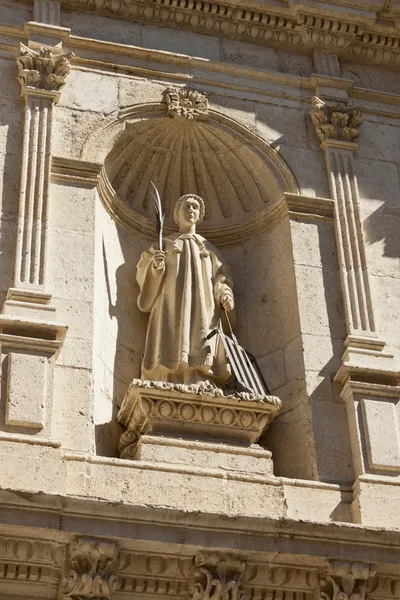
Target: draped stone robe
x=184, y=302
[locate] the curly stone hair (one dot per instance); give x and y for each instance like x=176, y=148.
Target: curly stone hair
x=182, y=199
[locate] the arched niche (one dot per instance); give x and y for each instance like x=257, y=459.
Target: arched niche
x=240, y=177
x=242, y=180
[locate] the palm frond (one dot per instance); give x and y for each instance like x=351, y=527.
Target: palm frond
x=157, y=206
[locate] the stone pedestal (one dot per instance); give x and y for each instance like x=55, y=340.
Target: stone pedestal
x=196, y=425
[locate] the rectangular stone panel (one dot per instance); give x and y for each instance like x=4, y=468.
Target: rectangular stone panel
x=381, y=433
x=26, y=390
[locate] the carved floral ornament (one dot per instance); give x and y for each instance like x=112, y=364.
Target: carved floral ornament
x=342, y=580
x=42, y=70
x=217, y=578
x=92, y=573
x=338, y=122
x=185, y=103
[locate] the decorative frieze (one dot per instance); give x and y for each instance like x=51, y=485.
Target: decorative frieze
x=189, y=104
x=259, y=26
x=342, y=580
x=92, y=571
x=338, y=122
x=31, y=568
x=149, y=574
x=217, y=577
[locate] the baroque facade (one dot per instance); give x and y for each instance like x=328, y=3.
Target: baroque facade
x=283, y=117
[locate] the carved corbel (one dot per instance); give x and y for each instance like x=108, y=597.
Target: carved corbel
x=342, y=580
x=217, y=578
x=92, y=571
x=187, y=104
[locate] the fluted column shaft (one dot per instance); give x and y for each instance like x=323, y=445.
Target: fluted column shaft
x=350, y=242
x=41, y=75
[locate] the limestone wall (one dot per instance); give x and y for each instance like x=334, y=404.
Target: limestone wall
x=295, y=292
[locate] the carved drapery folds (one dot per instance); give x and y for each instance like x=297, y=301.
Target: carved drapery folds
x=217, y=578
x=188, y=104
x=342, y=580
x=92, y=571
x=337, y=122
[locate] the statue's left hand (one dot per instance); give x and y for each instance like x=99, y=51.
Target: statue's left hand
x=227, y=301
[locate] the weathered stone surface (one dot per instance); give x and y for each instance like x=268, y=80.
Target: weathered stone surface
x=313, y=510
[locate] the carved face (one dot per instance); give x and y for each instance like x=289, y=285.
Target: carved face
x=189, y=212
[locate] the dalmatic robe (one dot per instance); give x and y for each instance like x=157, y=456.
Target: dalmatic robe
x=184, y=302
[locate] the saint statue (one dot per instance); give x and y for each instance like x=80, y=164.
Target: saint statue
x=185, y=287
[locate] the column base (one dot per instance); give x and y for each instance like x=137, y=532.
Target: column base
x=28, y=304
x=366, y=359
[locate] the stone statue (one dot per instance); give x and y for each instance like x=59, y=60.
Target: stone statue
x=184, y=288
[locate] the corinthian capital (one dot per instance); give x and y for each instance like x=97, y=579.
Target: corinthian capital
x=42, y=70
x=342, y=580
x=92, y=571
x=337, y=122
x=217, y=578
x=188, y=104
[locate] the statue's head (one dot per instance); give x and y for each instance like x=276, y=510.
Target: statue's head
x=189, y=209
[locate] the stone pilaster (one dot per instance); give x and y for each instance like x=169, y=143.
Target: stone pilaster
x=338, y=128
x=30, y=338
x=41, y=76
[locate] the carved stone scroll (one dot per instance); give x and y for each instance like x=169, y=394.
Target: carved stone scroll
x=188, y=104
x=342, y=580
x=41, y=75
x=217, y=578
x=92, y=571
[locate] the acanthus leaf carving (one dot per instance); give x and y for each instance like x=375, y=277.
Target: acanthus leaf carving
x=342, y=580
x=42, y=70
x=217, y=577
x=337, y=122
x=189, y=104
x=92, y=571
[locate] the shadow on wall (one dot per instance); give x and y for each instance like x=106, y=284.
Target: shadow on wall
x=11, y=137
x=381, y=225
x=129, y=338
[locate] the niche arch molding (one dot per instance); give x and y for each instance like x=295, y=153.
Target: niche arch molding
x=241, y=178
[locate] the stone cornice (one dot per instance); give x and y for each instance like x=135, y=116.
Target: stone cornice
x=350, y=35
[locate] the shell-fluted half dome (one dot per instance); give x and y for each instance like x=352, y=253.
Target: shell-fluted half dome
x=235, y=178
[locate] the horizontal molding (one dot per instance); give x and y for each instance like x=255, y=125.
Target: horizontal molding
x=376, y=98
x=75, y=171
x=309, y=206
x=352, y=36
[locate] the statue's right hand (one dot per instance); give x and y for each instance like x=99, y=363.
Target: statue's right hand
x=159, y=259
